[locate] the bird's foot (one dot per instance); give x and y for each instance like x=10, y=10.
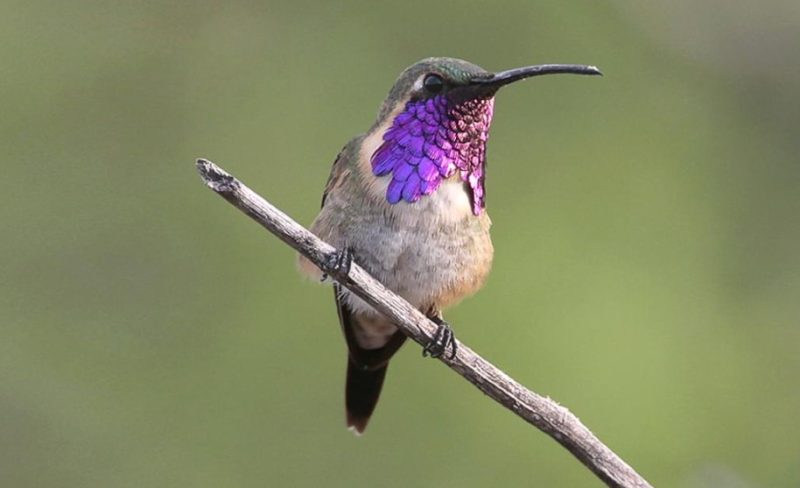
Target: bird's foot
x=441, y=339
x=338, y=265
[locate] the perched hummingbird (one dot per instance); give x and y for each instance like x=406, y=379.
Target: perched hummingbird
x=406, y=201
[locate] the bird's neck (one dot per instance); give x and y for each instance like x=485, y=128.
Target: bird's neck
x=450, y=203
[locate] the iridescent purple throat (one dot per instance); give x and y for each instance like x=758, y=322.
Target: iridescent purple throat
x=429, y=142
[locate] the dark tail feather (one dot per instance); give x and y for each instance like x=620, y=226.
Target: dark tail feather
x=366, y=368
x=362, y=390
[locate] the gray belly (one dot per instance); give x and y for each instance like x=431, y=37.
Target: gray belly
x=429, y=260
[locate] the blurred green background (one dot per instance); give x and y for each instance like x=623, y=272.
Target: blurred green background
x=647, y=227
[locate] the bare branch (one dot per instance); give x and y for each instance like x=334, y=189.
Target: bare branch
x=546, y=415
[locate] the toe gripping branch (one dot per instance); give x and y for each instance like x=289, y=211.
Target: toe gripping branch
x=441, y=339
x=337, y=265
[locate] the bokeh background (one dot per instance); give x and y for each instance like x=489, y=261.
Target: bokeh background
x=647, y=227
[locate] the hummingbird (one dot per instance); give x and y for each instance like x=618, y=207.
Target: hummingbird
x=407, y=201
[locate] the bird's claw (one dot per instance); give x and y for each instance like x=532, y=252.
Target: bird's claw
x=338, y=264
x=441, y=339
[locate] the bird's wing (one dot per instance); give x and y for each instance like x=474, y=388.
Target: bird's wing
x=338, y=173
x=325, y=224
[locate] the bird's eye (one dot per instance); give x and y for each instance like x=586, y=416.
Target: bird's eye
x=433, y=83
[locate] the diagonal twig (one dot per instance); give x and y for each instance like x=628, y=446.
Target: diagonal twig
x=545, y=414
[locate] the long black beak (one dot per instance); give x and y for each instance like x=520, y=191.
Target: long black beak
x=502, y=78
